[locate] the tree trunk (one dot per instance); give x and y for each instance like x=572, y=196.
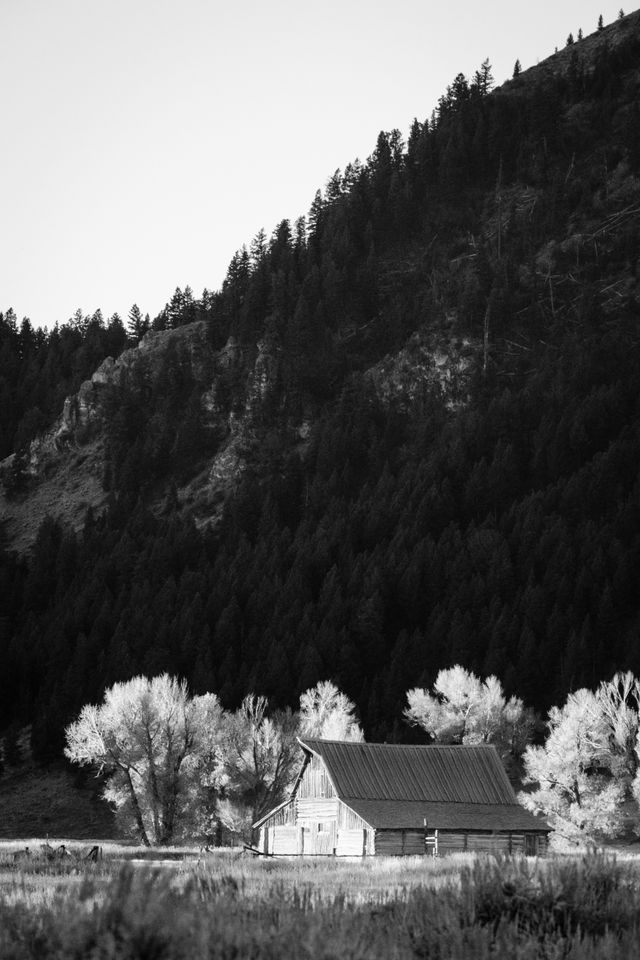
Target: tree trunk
x=137, y=811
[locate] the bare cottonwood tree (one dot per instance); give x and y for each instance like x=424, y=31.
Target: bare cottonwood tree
x=576, y=787
x=327, y=713
x=161, y=748
x=465, y=709
x=261, y=758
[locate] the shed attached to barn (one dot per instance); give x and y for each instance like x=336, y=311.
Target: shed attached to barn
x=359, y=799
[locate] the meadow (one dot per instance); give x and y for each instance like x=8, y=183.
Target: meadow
x=228, y=905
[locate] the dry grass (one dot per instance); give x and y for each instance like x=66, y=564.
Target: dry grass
x=356, y=881
x=36, y=801
x=229, y=905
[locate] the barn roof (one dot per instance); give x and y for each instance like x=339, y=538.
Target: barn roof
x=400, y=814
x=422, y=774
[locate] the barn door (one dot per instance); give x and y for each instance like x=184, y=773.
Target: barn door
x=309, y=834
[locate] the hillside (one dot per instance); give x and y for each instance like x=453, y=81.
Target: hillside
x=403, y=434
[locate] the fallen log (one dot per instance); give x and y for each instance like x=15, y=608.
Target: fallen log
x=256, y=853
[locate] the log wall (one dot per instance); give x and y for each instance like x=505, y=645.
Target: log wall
x=316, y=809
x=403, y=843
x=399, y=843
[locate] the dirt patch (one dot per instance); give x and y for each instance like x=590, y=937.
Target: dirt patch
x=73, y=485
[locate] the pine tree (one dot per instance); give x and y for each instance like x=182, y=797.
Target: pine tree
x=569, y=39
x=517, y=69
x=136, y=324
x=258, y=248
x=580, y=33
x=600, y=23
x=483, y=78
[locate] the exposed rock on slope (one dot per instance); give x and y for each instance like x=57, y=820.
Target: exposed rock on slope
x=428, y=362
x=66, y=466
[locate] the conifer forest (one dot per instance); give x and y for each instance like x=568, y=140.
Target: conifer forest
x=403, y=435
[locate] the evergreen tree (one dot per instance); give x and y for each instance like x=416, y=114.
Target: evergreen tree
x=137, y=325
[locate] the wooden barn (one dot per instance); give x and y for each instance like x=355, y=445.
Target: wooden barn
x=363, y=799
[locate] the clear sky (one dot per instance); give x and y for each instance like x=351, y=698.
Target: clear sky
x=144, y=141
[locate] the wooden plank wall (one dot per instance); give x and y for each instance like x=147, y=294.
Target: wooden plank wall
x=348, y=819
x=316, y=809
x=317, y=838
x=403, y=843
x=315, y=781
x=399, y=843
x=286, y=816
x=480, y=842
x=351, y=843
x=322, y=839
x=283, y=840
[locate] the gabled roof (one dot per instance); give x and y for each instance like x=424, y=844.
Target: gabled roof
x=451, y=787
x=422, y=774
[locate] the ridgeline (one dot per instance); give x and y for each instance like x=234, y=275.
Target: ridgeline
x=404, y=434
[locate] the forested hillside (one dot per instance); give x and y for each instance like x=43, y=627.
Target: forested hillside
x=404, y=434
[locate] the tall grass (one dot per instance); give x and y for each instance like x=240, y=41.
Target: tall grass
x=233, y=907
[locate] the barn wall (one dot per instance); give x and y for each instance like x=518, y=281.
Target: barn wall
x=315, y=781
x=536, y=845
x=317, y=839
x=351, y=843
x=285, y=816
x=532, y=844
x=402, y=843
x=283, y=840
x=399, y=843
x=474, y=841
x=316, y=809
x=348, y=819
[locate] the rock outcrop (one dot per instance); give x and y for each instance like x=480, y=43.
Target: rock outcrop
x=65, y=467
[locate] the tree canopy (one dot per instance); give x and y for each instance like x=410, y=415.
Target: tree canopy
x=159, y=745
x=466, y=709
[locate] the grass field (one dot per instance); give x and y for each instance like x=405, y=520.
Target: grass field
x=228, y=905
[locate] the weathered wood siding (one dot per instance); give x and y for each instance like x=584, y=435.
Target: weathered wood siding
x=351, y=843
x=285, y=816
x=399, y=843
x=536, y=845
x=318, y=839
x=402, y=843
x=348, y=819
x=316, y=809
x=283, y=840
x=315, y=782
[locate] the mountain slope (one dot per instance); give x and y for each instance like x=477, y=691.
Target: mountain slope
x=403, y=434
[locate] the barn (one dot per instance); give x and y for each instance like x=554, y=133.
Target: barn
x=366, y=799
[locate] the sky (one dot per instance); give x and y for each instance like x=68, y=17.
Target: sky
x=144, y=141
